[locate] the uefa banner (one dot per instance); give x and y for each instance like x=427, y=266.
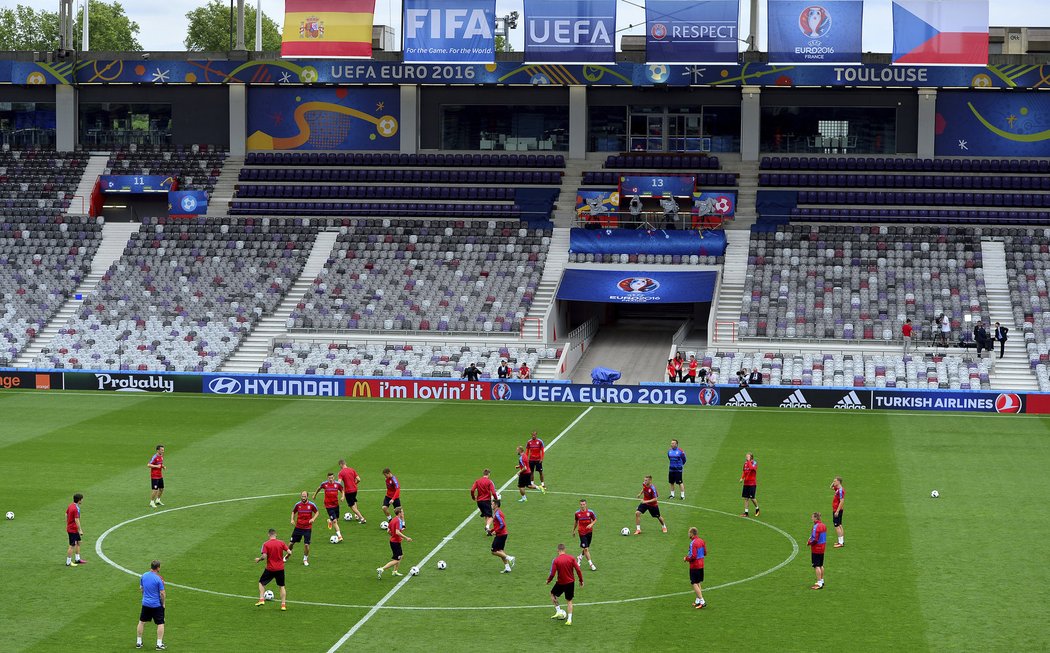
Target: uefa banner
x=328, y=28
x=801, y=32
x=460, y=31
x=691, y=31
x=570, y=31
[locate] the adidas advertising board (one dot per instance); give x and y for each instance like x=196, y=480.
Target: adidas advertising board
x=796, y=400
x=851, y=402
x=741, y=398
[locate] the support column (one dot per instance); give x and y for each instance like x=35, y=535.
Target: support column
x=925, y=146
x=408, y=123
x=65, y=118
x=238, y=119
x=577, y=122
x=750, y=122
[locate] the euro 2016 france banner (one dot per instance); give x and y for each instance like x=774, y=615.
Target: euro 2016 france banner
x=457, y=31
x=570, y=31
x=691, y=31
x=801, y=32
x=940, y=32
x=637, y=287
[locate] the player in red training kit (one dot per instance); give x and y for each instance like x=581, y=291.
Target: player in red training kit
x=818, y=538
x=695, y=558
x=749, y=477
x=274, y=552
x=525, y=475
x=393, y=492
x=397, y=533
x=349, y=478
x=156, y=477
x=304, y=514
x=483, y=492
x=649, y=504
x=499, y=537
x=537, y=450
x=583, y=523
x=564, y=566
x=332, y=489
x=837, y=503
x=74, y=531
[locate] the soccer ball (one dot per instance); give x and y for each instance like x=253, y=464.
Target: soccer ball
x=10, y=515
x=334, y=539
x=267, y=595
x=625, y=531
x=560, y=614
x=414, y=571
x=933, y=495
x=348, y=516
x=385, y=525
x=441, y=564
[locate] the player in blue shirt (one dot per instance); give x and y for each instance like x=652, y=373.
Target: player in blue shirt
x=153, y=599
x=676, y=461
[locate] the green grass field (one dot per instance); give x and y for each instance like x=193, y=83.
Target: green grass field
x=966, y=571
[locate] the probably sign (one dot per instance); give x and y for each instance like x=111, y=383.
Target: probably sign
x=804, y=32
x=576, y=31
x=132, y=381
x=691, y=31
x=457, y=31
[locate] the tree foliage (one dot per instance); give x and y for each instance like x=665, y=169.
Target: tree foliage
x=110, y=29
x=209, y=29
x=25, y=28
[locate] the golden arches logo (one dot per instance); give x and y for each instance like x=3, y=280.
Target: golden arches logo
x=360, y=389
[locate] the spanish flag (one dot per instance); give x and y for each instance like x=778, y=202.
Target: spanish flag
x=328, y=28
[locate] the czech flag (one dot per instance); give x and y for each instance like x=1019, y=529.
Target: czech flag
x=328, y=28
x=940, y=32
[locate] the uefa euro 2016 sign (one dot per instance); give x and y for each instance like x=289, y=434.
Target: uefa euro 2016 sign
x=804, y=32
x=691, y=31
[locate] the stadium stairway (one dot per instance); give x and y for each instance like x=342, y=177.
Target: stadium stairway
x=96, y=165
x=636, y=348
x=731, y=291
x=115, y=237
x=571, y=181
x=1012, y=371
x=557, y=257
x=746, y=195
x=222, y=194
x=251, y=353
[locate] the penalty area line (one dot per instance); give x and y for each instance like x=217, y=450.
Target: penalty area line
x=445, y=540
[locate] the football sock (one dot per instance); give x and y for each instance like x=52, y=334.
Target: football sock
x=672, y=494
x=160, y=642
x=77, y=557
x=69, y=561
x=840, y=542
x=821, y=582
x=745, y=512
x=683, y=495
x=138, y=640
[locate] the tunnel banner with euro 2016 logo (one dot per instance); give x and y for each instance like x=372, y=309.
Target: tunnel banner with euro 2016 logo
x=637, y=286
x=802, y=32
x=691, y=31
x=455, y=31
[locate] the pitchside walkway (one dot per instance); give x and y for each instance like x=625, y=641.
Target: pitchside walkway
x=637, y=348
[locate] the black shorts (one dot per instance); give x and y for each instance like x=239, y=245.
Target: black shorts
x=836, y=518
x=674, y=476
x=652, y=510
x=351, y=498
x=817, y=559
x=333, y=513
x=395, y=551
x=268, y=575
x=568, y=590
x=156, y=484
x=303, y=534
x=535, y=466
x=156, y=615
x=585, y=540
x=387, y=501
x=486, y=508
x=499, y=542
x=690, y=378
x=73, y=538
x=524, y=480
x=696, y=576
x=749, y=491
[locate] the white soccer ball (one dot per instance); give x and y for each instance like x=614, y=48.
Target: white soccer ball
x=385, y=525
x=560, y=614
x=334, y=539
x=348, y=516
x=933, y=495
x=414, y=571
x=10, y=515
x=441, y=564
x=267, y=595
x=625, y=531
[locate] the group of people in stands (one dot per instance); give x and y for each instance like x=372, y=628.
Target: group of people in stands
x=504, y=371
x=680, y=370
x=982, y=338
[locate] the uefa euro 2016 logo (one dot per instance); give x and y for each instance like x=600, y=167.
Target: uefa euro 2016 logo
x=815, y=22
x=500, y=391
x=638, y=284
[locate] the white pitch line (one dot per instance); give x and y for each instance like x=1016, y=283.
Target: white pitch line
x=448, y=538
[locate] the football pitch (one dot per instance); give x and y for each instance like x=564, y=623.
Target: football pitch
x=966, y=571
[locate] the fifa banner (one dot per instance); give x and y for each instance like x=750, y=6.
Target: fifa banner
x=647, y=241
x=18, y=380
x=460, y=31
x=940, y=32
x=802, y=32
x=132, y=381
x=327, y=28
x=637, y=286
x=691, y=31
x=721, y=203
x=596, y=204
x=187, y=203
x=570, y=31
